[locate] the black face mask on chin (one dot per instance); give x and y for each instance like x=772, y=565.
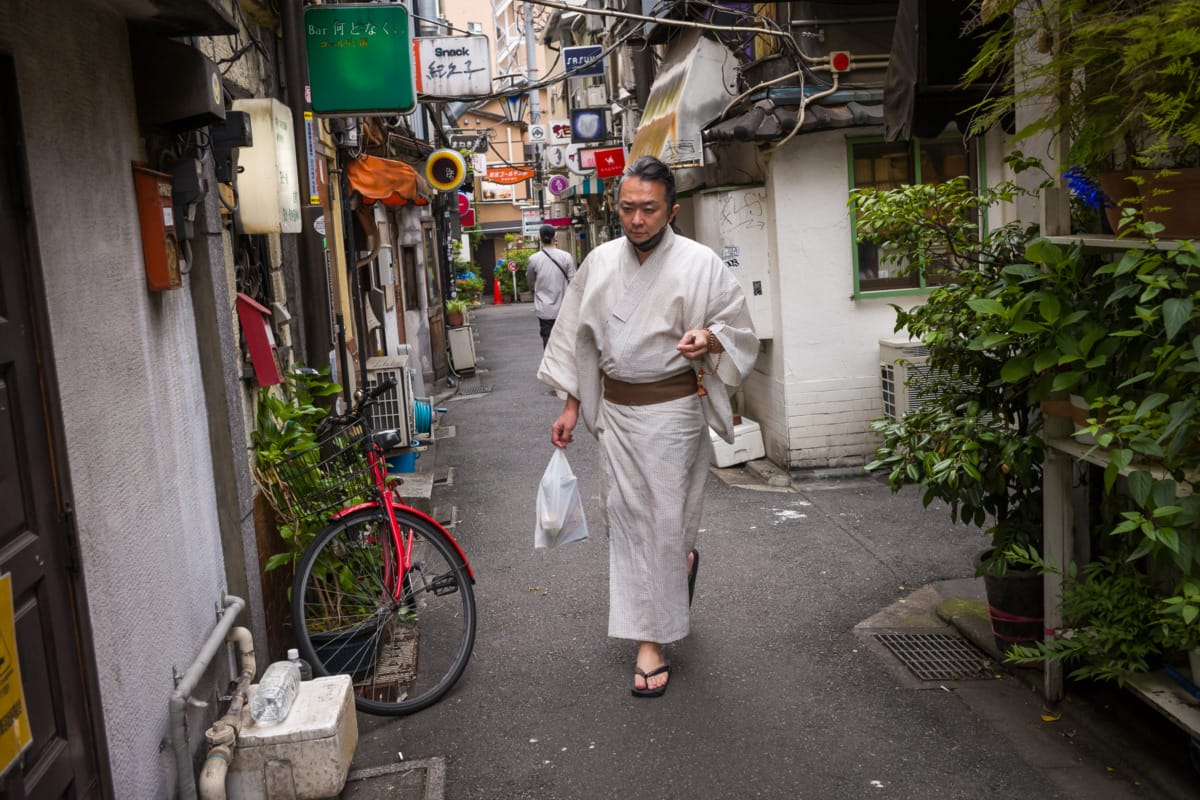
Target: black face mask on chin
x=652, y=242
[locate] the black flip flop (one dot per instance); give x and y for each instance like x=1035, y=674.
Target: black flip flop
x=648, y=692
x=692, y=575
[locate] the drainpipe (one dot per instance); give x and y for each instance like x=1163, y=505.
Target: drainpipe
x=185, y=780
x=314, y=289
x=222, y=736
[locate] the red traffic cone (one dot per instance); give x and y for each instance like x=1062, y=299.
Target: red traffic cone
x=496, y=298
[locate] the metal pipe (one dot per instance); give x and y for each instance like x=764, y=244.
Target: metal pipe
x=222, y=735
x=185, y=780
x=212, y=776
x=317, y=338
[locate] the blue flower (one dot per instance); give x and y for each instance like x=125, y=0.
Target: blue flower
x=1086, y=189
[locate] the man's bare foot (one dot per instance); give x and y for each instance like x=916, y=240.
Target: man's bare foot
x=650, y=659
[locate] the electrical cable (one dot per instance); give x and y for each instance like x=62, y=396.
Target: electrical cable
x=674, y=23
x=548, y=80
x=803, y=107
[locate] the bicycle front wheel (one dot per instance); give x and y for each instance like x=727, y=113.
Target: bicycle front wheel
x=404, y=637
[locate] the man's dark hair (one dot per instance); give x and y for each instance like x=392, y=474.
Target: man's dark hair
x=649, y=168
x=546, y=233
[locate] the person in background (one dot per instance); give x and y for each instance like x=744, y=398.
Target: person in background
x=652, y=330
x=549, y=272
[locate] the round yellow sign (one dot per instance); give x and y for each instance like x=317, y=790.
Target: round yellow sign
x=445, y=170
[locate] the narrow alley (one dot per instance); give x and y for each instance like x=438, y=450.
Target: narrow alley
x=773, y=695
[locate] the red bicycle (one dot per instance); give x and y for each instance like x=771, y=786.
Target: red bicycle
x=384, y=592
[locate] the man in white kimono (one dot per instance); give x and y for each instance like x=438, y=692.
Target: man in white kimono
x=651, y=331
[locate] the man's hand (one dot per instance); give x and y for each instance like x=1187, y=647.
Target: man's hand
x=561, y=430
x=694, y=344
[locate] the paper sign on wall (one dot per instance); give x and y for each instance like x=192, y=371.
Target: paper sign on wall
x=15, y=733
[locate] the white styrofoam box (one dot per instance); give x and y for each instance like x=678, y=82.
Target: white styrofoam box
x=309, y=750
x=747, y=445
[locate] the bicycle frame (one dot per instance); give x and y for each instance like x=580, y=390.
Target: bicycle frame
x=389, y=501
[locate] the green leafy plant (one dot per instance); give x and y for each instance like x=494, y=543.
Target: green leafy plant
x=457, y=306
x=1114, y=622
x=975, y=440
x=299, y=467
x=286, y=422
x=469, y=286
x=521, y=257
x=1119, y=74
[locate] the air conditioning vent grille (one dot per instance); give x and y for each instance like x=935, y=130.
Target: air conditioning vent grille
x=393, y=410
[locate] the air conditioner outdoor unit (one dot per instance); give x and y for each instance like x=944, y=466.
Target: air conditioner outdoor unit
x=900, y=359
x=394, y=408
x=462, y=348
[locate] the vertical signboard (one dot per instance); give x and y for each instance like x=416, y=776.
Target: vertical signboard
x=360, y=58
x=269, y=184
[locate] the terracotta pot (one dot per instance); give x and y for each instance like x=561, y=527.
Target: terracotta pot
x=1118, y=187
x=1172, y=201
x=454, y=320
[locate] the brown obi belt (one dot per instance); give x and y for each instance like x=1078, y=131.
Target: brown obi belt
x=645, y=394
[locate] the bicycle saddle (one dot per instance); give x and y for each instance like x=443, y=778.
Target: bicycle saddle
x=387, y=440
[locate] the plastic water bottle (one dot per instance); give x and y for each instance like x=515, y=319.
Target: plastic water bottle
x=304, y=667
x=276, y=692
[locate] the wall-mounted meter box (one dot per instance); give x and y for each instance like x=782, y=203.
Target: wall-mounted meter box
x=177, y=87
x=156, y=217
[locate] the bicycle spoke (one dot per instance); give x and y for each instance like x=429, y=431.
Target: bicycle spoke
x=403, y=642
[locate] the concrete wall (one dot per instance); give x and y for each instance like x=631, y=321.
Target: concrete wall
x=132, y=398
x=822, y=373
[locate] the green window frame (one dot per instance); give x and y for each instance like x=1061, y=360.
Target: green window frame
x=875, y=162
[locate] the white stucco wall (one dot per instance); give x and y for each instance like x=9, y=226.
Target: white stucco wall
x=129, y=381
x=826, y=351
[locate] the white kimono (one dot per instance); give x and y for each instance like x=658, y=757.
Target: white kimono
x=623, y=319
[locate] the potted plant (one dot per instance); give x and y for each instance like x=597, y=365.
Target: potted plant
x=975, y=441
x=304, y=473
x=285, y=428
x=456, y=312
x=1122, y=334
x=1115, y=77
x=470, y=287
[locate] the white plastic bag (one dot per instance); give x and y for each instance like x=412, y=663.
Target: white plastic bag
x=559, y=507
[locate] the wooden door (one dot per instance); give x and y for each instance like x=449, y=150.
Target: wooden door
x=35, y=533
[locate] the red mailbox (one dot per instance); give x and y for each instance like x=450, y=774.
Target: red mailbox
x=260, y=340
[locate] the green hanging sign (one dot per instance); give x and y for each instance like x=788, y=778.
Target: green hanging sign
x=360, y=58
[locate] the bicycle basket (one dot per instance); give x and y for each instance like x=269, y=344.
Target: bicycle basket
x=331, y=474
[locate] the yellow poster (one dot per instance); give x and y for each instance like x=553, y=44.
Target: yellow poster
x=15, y=734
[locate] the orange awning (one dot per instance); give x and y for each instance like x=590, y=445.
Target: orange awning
x=393, y=182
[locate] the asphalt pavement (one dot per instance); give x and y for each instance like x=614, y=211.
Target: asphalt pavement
x=782, y=690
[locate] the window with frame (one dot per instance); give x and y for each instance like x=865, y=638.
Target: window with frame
x=412, y=285
x=888, y=165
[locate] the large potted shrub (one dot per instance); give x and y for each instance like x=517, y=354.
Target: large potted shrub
x=975, y=440
x=1123, y=335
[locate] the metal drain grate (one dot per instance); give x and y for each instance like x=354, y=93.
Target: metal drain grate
x=938, y=656
x=477, y=388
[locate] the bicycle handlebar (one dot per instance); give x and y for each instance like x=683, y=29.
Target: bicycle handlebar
x=363, y=398
x=373, y=393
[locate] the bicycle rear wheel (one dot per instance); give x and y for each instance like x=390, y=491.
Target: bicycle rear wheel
x=403, y=648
